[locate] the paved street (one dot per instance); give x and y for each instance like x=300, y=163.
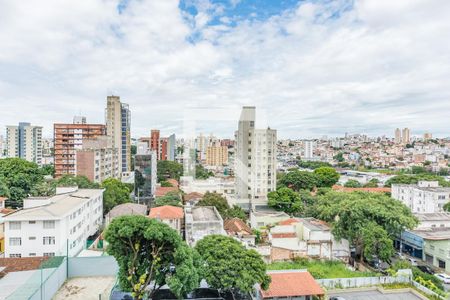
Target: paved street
x=376, y=295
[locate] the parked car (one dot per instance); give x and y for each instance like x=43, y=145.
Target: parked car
x=443, y=277
x=412, y=261
x=337, y=298
x=426, y=269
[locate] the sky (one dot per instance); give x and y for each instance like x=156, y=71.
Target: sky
x=311, y=68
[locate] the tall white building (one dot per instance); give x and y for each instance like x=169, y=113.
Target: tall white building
x=425, y=197
x=54, y=226
x=406, y=136
x=398, y=136
x=24, y=141
x=308, y=148
x=255, y=161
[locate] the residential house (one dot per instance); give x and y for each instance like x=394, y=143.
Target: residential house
x=306, y=237
x=126, y=209
x=262, y=218
x=170, y=215
x=201, y=221
x=237, y=228
x=291, y=285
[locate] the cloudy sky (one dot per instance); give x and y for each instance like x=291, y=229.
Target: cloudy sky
x=311, y=68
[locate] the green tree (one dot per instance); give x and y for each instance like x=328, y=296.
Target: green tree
x=349, y=214
x=115, y=193
x=373, y=183
x=19, y=176
x=447, y=207
x=216, y=200
x=150, y=251
x=236, y=212
x=339, y=157
x=43, y=189
x=298, y=180
x=169, y=169
x=165, y=183
x=352, y=183
x=287, y=200
x=81, y=181
x=377, y=242
x=413, y=179
x=171, y=198
x=228, y=266
x=312, y=164
x=202, y=173
x=326, y=176
x=48, y=170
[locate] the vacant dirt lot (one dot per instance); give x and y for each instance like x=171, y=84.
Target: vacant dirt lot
x=86, y=288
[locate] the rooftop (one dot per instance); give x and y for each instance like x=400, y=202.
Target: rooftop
x=291, y=283
x=127, y=209
x=166, y=212
x=433, y=216
x=362, y=189
x=314, y=224
x=236, y=225
x=205, y=213
x=3, y=199
x=58, y=205
x=436, y=233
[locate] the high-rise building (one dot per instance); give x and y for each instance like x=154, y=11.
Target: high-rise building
x=163, y=149
x=398, y=136
x=97, y=161
x=118, y=123
x=155, y=142
x=79, y=120
x=308, y=148
x=144, y=174
x=217, y=156
x=68, y=139
x=405, y=136
x=2, y=146
x=24, y=141
x=427, y=136
x=171, y=147
x=255, y=162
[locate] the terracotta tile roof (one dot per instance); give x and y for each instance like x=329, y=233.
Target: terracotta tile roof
x=20, y=264
x=284, y=235
x=292, y=284
x=362, y=189
x=162, y=190
x=173, y=182
x=192, y=196
x=6, y=211
x=288, y=221
x=236, y=225
x=166, y=212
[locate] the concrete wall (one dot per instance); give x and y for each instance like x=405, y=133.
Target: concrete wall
x=93, y=266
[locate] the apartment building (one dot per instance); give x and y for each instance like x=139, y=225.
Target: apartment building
x=97, y=161
x=144, y=174
x=255, y=161
x=217, y=156
x=118, y=126
x=54, y=226
x=68, y=139
x=24, y=141
x=423, y=197
x=202, y=221
x=155, y=142
x=308, y=149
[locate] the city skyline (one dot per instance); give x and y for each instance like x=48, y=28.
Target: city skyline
x=315, y=67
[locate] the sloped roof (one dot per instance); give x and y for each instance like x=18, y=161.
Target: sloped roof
x=291, y=284
x=163, y=190
x=236, y=225
x=192, y=196
x=127, y=209
x=288, y=221
x=166, y=212
x=362, y=189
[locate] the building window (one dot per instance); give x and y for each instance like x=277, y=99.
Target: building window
x=14, y=225
x=32, y=254
x=31, y=222
x=49, y=240
x=49, y=254
x=49, y=224
x=15, y=241
x=32, y=238
x=15, y=255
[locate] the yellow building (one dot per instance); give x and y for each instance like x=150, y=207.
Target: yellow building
x=217, y=156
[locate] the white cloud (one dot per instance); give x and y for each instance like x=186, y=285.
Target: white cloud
x=316, y=69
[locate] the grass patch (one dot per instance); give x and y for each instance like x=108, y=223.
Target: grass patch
x=321, y=269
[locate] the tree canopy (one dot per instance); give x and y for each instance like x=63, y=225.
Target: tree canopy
x=312, y=164
x=150, y=251
x=168, y=169
x=221, y=204
x=352, y=183
x=202, y=173
x=228, y=266
x=81, y=181
x=298, y=180
x=19, y=176
x=326, y=176
x=353, y=215
x=171, y=198
x=286, y=200
x=115, y=193
x=413, y=179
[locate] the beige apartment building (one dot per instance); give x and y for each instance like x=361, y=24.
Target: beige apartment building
x=118, y=119
x=217, y=156
x=97, y=161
